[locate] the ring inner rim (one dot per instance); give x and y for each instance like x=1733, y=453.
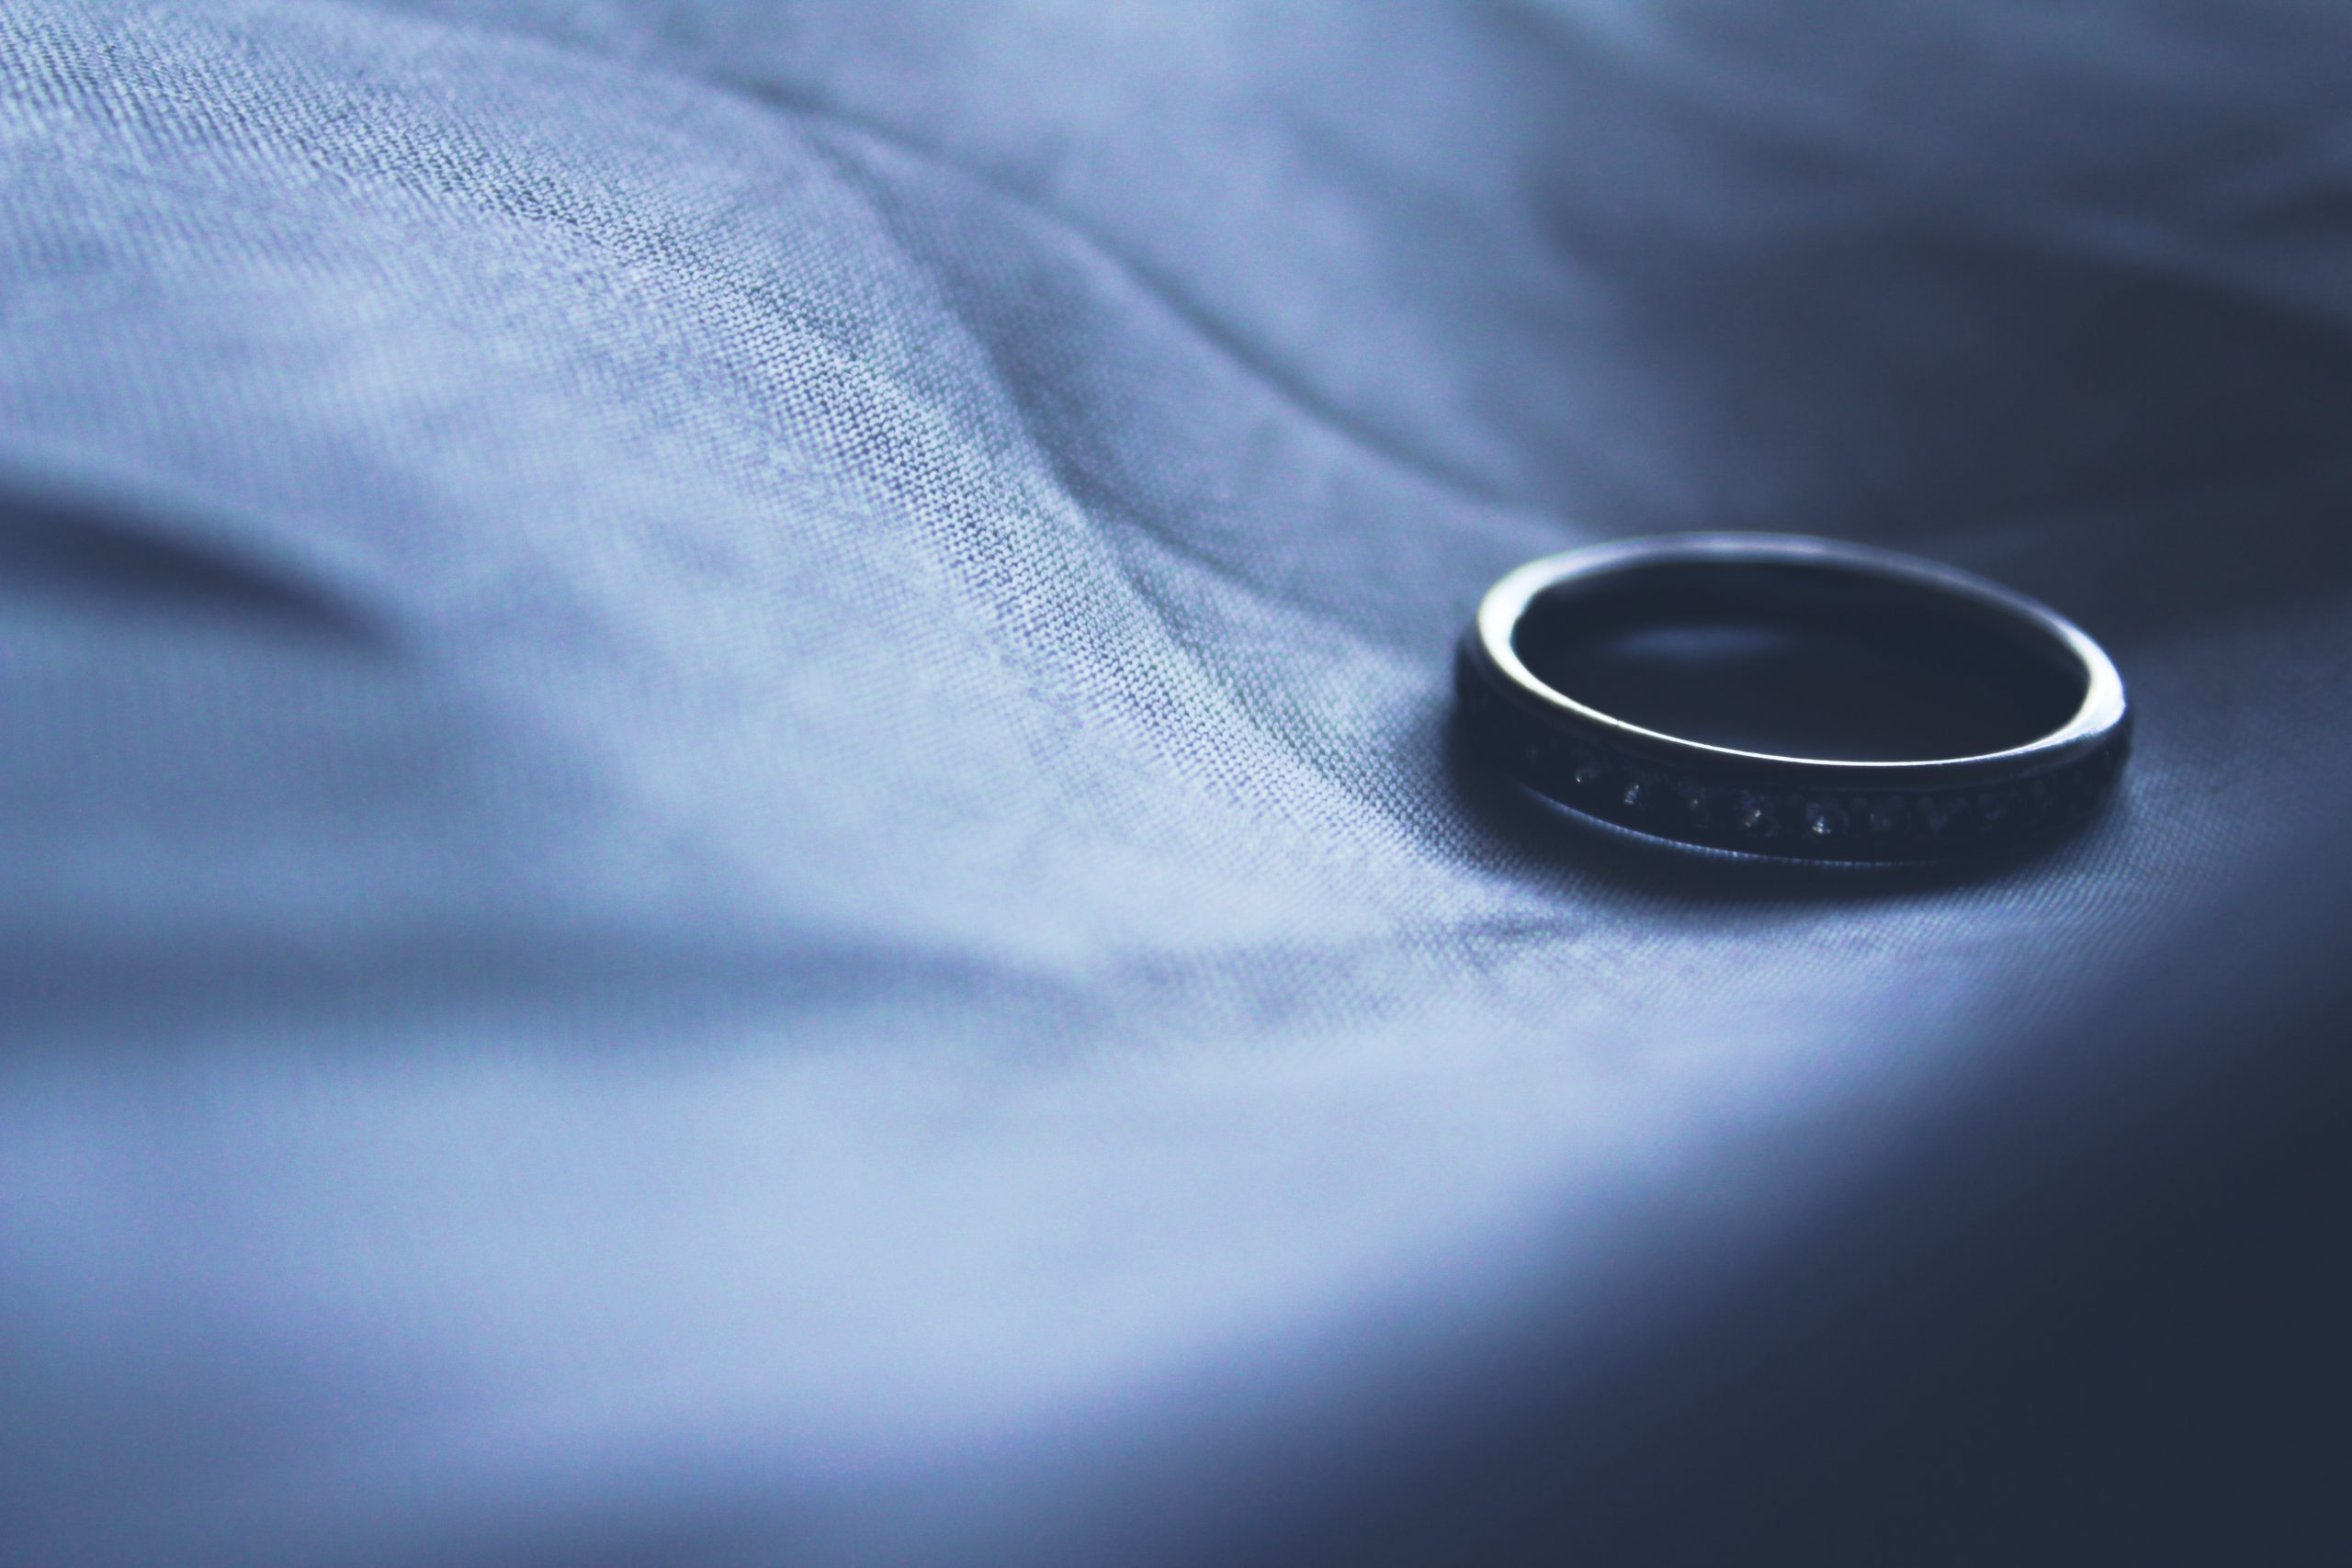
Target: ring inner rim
x=1860, y=590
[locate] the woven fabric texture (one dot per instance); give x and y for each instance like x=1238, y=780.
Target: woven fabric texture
x=728, y=828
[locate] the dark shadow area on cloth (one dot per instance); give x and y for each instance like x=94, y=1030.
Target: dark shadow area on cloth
x=2287, y=551
x=2052, y=1331
x=64, y=547
x=1903, y=384
x=1919, y=341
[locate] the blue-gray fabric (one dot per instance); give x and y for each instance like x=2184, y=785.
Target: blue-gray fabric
x=727, y=832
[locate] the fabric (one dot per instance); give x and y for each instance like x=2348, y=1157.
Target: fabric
x=728, y=833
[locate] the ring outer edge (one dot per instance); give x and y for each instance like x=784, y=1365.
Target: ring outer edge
x=1694, y=793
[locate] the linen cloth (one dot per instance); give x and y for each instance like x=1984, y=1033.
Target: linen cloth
x=728, y=831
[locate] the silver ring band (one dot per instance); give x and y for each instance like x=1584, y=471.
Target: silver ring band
x=1893, y=610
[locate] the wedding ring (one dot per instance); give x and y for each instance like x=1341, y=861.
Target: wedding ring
x=1790, y=696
